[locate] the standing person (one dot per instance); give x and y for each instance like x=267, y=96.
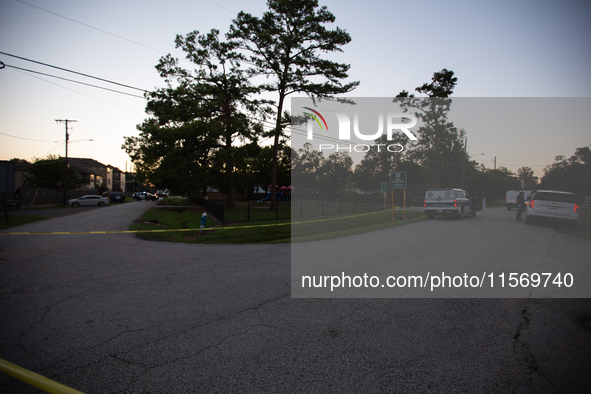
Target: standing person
x=520, y=206
x=203, y=220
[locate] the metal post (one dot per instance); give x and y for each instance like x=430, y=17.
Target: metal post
x=392, y=205
x=404, y=205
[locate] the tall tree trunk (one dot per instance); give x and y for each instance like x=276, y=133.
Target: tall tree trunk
x=273, y=205
x=229, y=174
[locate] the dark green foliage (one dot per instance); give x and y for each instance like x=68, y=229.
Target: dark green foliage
x=376, y=166
x=285, y=45
x=440, y=146
x=50, y=172
x=189, y=144
x=572, y=174
x=494, y=183
x=332, y=176
x=527, y=178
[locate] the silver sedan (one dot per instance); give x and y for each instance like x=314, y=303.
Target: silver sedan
x=88, y=200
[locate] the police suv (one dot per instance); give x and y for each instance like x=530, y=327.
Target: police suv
x=455, y=202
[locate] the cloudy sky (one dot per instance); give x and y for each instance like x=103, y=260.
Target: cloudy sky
x=517, y=48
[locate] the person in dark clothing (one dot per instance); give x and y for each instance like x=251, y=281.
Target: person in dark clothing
x=520, y=206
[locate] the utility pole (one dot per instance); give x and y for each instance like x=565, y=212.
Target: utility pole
x=66, y=121
x=464, y=165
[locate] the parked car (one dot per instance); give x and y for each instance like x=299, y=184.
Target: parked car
x=88, y=200
x=162, y=193
x=145, y=196
x=511, y=197
x=455, y=202
x=554, y=205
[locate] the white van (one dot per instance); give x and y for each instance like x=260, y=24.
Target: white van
x=511, y=197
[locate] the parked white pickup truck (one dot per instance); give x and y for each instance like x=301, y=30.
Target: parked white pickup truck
x=455, y=202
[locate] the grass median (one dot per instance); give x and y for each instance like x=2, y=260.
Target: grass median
x=271, y=231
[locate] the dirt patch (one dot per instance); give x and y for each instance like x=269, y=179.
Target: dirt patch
x=178, y=210
x=151, y=221
x=193, y=237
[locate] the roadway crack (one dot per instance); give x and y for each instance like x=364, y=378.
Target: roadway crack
x=521, y=349
x=47, y=310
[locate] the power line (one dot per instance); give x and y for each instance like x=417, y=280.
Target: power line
x=75, y=91
x=71, y=80
x=28, y=139
x=233, y=12
x=71, y=71
x=92, y=27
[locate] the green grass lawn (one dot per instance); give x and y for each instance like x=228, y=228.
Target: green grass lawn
x=258, y=211
x=272, y=231
x=175, y=202
x=304, y=230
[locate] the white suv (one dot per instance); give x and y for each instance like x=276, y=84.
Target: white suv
x=552, y=204
x=455, y=202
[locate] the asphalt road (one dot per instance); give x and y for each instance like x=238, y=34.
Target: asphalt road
x=471, y=258
x=110, y=313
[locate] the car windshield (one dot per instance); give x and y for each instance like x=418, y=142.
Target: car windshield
x=556, y=197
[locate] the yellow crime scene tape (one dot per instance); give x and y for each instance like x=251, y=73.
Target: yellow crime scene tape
x=36, y=380
x=185, y=229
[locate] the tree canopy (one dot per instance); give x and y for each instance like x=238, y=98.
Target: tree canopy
x=50, y=172
x=440, y=148
x=570, y=174
x=197, y=118
x=285, y=46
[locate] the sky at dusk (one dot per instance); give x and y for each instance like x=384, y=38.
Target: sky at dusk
x=513, y=49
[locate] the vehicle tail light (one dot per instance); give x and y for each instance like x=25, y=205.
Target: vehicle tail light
x=425, y=203
x=531, y=203
x=576, y=208
x=455, y=203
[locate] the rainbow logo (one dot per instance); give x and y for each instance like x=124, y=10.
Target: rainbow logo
x=315, y=118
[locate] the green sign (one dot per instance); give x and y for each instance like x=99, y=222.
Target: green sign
x=384, y=187
x=398, y=180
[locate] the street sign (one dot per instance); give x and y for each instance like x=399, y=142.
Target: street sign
x=398, y=180
x=384, y=187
